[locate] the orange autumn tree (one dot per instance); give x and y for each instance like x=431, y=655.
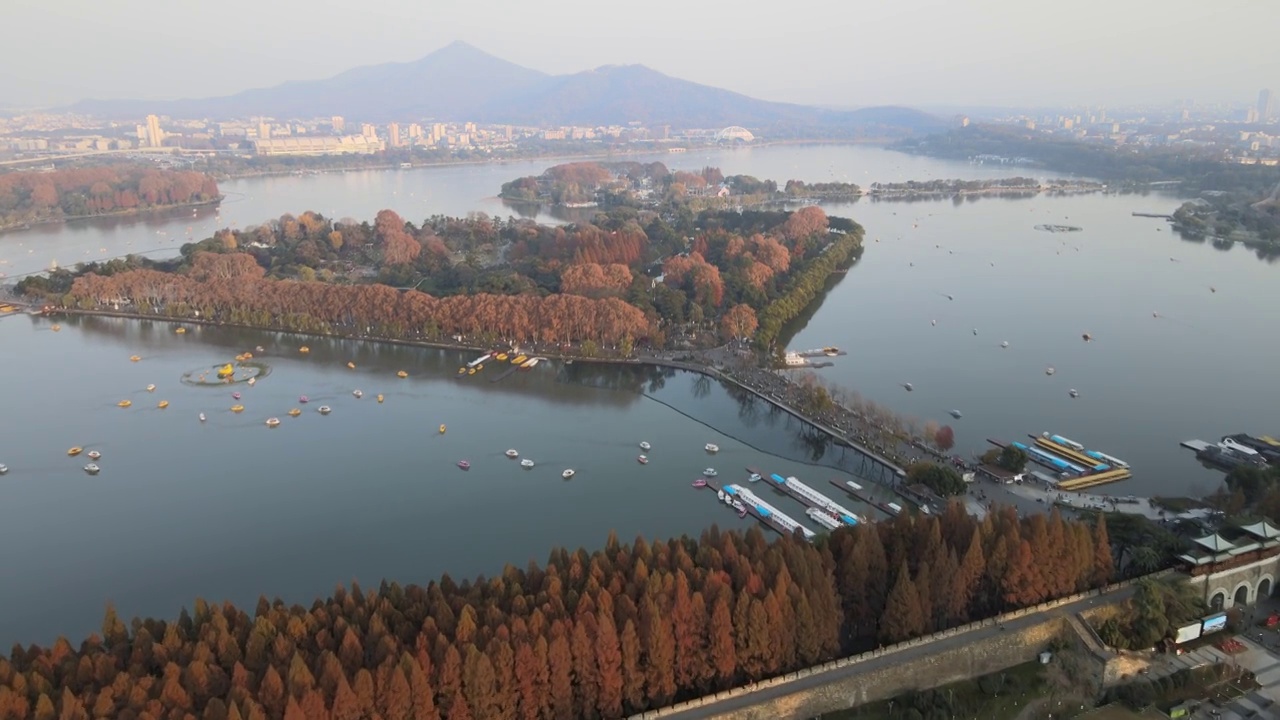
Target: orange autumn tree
x=738, y=322
x=595, y=280
x=397, y=245
x=600, y=635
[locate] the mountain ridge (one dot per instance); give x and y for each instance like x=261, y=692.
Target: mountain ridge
x=462, y=82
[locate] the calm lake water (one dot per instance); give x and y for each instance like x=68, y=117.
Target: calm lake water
x=232, y=509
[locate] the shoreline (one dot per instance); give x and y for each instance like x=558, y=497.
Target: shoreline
x=117, y=213
x=534, y=158
x=653, y=361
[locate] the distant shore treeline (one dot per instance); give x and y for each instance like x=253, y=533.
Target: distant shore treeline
x=32, y=197
x=587, y=635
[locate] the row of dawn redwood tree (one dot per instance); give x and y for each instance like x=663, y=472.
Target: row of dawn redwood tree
x=587, y=635
x=231, y=288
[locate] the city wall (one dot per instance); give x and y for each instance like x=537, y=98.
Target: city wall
x=923, y=663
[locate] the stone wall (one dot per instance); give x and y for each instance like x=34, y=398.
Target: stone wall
x=891, y=679
x=939, y=659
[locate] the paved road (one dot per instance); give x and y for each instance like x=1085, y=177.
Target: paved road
x=912, y=653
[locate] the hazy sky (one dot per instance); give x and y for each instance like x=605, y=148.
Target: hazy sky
x=836, y=52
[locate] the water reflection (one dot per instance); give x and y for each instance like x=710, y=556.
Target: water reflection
x=549, y=381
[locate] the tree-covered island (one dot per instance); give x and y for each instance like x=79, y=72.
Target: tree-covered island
x=660, y=277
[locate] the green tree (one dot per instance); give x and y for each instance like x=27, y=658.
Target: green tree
x=1012, y=459
x=941, y=479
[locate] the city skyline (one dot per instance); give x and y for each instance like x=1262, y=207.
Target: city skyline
x=992, y=52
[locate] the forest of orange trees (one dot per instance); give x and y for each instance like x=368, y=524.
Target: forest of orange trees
x=39, y=196
x=587, y=635
x=625, y=278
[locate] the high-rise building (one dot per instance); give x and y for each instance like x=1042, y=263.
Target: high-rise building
x=368, y=130
x=264, y=130
x=415, y=131
x=155, y=136
x=337, y=123
x=437, y=132
x=1264, y=104
x=393, y=132
x=509, y=132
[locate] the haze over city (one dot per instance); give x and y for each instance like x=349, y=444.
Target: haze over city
x=921, y=52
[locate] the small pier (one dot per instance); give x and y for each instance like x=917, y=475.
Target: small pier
x=1152, y=215
x=1197, y=445
x=821, y=352
x=504, y=374
x=857, y=492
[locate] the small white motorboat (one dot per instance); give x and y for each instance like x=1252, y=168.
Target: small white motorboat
x=754, y=477
x=273, y=422
x=324, y=409
x=526, y=463
x=92, y=469
x=4, y=469
x=512, y=453
x=151, y=388
x=357, y=393
x=93, y=454
x=1072, y=392
x=711, y=448
x=252, y=380
x=202, y=417
x=710, y=472
x=567, y=474
x=645, y=446
x=643, y=460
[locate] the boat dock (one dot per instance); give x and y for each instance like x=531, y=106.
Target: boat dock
x=858, y=492
x=1152, y=215
x=811, y=498
x=1197, y=445
x=1088, y=468
x=822, y=352
x=763, y=511
x=506, y=372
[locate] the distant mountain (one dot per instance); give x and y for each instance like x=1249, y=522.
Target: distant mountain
x=449, y=83
x=462, y=82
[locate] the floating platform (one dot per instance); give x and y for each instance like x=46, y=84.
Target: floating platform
x=811, y=498
x=1092, y=480
x=1197, y=445
x=1071, y=455
x=766, y=513
x=1088, y=468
